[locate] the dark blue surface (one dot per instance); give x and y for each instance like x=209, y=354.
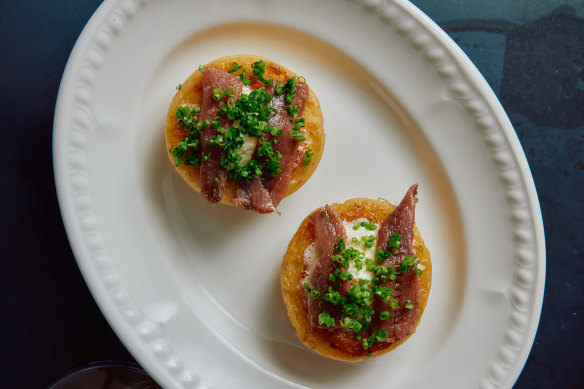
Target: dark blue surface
x=531, y=54
x=535, y=65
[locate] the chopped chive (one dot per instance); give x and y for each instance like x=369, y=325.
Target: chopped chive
x=259, y=68
x=381, y=255
x=369, y=241
x=410, y=260
x=307, y=157
x=234, y=67
x=326, y=319
x=393, y=303
x=394, y=242
x=381, y=335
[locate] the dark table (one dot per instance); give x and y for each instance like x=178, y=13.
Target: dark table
x=531, y=52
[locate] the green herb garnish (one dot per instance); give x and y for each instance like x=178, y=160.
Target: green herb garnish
x=326, y=319
x=259, y=68
x=369, y=241
x=307, y=157
x=368, y=225
x=252, y=112
x=356, y=307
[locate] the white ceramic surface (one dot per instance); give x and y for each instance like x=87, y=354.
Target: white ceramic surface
x=193, y=289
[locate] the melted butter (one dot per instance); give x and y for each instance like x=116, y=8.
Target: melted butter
x=359, y=234
x=311, y=258
x=246, y=151
x=249, y=142
x=311, y=255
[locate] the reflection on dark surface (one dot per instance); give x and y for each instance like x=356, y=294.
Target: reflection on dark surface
x=543, y=70
x=106, y=375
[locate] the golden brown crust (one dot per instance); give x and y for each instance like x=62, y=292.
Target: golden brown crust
x=293, y=267
x=191, y=93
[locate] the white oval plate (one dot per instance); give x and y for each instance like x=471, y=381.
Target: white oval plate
x=193, y=289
